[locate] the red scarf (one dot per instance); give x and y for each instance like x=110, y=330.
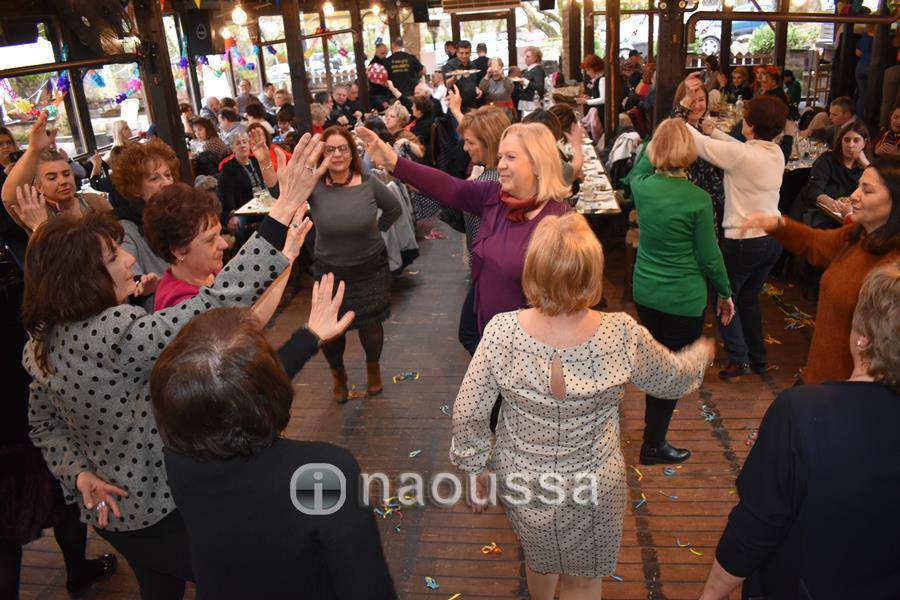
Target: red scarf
x=516, y=208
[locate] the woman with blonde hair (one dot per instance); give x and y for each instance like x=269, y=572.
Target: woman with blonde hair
x=678, y=252
x=822, y=453
x=561, y=369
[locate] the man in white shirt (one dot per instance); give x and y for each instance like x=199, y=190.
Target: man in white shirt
x=753, y=173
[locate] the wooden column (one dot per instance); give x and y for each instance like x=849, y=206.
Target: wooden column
x=299, y=82
x=393, y=25
x=511, y=38
x=359, y=54
x=588, y=27
x=573, y=69
x=613, y=76
x=260, y=56
x=651, y=55
x=881, y=56
x=844, y=63
x=159, y=85
x=781, y=35
x=326, y=58
x=725, y=45
x=670, y=61
x=455, y=29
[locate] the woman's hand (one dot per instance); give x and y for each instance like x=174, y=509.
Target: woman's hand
x=323, y=321
x=693, y=83
x=575, y=134
x=147, y=284
x=454, y=100
x=300, y=226
x=479, y=499
x=41, y=139
x=707, y=126
x=380, y=153
x=297, y=177
x=100, y=496
x=96, y=163
x=30, y=208
x=725, y=311
x=259, y=148
x=766, y=222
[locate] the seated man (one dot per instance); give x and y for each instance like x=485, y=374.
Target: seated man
x=840, y=114
x=229, y=121
x=48, y=170
x=342, y=112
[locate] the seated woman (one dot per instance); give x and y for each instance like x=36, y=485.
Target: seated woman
x=889, y=141
x=245, y=175
x=259, y=135
x=77, y=283
x=222, y=398
x=208, y=136
x=396, y=118
x=142, y=170
x=561, y=369
x=421, y=125
x=834, y=175
x=822, y=453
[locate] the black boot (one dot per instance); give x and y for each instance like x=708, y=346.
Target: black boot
x=662, y=454
x=94, y=571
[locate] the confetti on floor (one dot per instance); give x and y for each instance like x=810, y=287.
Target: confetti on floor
x=669, y=496
x=491, y=548
x=415, y=453
x=638, y=471
x=616, y=578
x=431, y=583
x=445, y=408
x=771, y=340
x=669, y=471
x=641, y=502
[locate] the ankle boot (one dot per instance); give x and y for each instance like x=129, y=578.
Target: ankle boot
x=662, y=454
x=374, y=387
x=339, y=385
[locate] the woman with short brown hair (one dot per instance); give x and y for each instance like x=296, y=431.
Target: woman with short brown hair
x=344, y=206
x=90, y=356
x=561, y=368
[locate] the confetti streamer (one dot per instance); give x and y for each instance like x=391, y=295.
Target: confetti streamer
x=642, y=501
x=415, y=453
x=638, y=471
x=431, y=583
x=616, y=578
x=669, y=496
x=491, y=548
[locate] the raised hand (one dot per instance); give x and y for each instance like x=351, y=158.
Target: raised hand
x=41, y=138
x=100, y=496
x=323, y=321
x=297, y=177
x=30, y=208
x=300, y=226
x=259, y=148
x=575, y=134
x=454, y=100
x=766, y=222
x=147, y=284
x=380, y=153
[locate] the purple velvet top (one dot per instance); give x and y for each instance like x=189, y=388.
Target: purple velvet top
x=498, y=251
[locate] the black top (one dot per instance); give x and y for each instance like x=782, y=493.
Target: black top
x=481, y=63
x=818, y=496
x=376, y=89
x=404, y=69
x=535, y=90
x=346, y=110
x=732, y=93
x=780, y=94
x=236, y=186
x=830, y=176
x=249, y=540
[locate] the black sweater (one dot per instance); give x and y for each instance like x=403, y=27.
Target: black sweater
x=830, y=176
x=818, y=495
x=247, y=538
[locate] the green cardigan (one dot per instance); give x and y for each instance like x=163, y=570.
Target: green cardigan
x=678, y=249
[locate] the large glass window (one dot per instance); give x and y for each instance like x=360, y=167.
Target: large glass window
x=433, y=39
x=178, y=62
x=213, y=76
x=277, y=70
x=535, y=28
x=113, y=93
x=20, y=96
x=244, y=58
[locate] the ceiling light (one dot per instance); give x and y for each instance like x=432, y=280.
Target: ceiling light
x=239, y=16
x=328, y=9
x=376, y=9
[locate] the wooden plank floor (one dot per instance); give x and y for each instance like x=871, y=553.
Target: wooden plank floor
x=445, y=543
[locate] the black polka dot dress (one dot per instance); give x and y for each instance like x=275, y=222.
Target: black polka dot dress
x=571, y=520
x=93, y=411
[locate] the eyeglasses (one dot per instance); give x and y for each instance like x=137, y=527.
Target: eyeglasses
x=342, y=149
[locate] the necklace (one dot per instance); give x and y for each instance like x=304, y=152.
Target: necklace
x=334, y=183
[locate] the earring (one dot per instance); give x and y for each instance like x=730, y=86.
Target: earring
x=181, y=259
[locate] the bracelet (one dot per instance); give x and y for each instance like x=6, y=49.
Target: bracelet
x=268, y=166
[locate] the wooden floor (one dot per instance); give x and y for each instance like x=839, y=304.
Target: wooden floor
x=446, y=544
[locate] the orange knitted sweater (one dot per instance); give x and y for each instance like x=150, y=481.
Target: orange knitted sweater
x=847, y=264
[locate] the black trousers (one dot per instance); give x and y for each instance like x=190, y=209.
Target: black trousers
x=158, y=555
x=674, y=332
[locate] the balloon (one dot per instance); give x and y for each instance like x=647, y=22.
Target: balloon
x=251, y=66
x=203, y=60
x=62, y=84
x=377, y=74
x=184, y=62
x=271, y=50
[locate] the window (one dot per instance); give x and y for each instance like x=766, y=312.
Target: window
x=114, y=93
x=277, y=71
x=176, y=50
x=244, y=57
x=18, y=94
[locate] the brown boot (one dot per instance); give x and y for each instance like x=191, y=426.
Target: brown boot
x=339, y=385
x=373, y=371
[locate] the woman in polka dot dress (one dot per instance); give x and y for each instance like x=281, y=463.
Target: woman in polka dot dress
x=561, y=369
x=90, y=354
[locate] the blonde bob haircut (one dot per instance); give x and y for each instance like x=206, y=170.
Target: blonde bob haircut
x=487, y=124
x=540, y=147
x=877, y=317
x=563, y=266
x=672, y=146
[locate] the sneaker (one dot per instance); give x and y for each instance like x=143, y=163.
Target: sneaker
x=734, y=369
x=763, y=368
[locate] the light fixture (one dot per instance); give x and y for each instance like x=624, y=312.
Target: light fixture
x=376, y=9
x=226, y=33
x=239, y=15
x=328, y=9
